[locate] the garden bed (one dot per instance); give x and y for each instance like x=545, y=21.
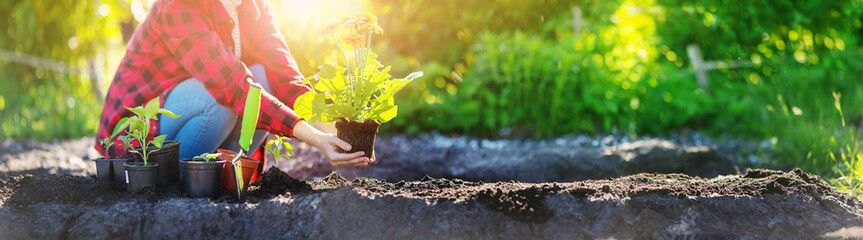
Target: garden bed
x=475, y=189
x=760, y=204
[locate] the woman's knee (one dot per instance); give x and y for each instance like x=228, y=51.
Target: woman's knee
x=191, y=100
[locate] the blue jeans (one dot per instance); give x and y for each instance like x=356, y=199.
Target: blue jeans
x=204, y=124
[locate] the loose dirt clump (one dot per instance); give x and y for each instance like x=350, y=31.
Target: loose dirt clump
x=334, y=180
x=276, y=182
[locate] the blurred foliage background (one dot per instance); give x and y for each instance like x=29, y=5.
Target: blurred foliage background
x=511, y=68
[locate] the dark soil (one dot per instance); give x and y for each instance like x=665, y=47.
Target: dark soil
x=361, y=136
x=275, y=182
x=446, y=188
x=795, y=203
x=536, y=161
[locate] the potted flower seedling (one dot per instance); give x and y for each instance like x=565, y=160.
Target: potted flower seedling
x=238, y=169
x=110, y=166
x=166, y=156
x=141, y=175
x=357, y=96
x=104, y=169
x=119, y=170
x=202, y=175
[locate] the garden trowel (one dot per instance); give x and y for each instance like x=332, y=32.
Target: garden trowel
x=247, y=131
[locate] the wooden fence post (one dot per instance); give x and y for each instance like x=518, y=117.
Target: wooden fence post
x=577, y=21
x=698, y=65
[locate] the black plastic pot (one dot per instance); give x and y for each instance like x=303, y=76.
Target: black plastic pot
x=201, y=178
x=168, y=159
x=103, y=169
x=117, y=170
x=141, y=178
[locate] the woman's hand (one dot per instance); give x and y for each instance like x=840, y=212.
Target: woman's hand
x=328, y=143
x=330, y=146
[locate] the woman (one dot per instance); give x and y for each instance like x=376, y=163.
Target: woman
x=194, y=54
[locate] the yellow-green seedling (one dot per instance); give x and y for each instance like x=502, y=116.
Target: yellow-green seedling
x=360, y=90
x=278, y=145
x=206, y=156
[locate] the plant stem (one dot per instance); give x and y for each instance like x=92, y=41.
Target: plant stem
x=345, y=56
x=368, y=49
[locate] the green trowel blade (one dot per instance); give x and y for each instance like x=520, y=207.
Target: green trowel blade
x=250, y=116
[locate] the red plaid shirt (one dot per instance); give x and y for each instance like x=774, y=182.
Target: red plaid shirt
x=192, y=39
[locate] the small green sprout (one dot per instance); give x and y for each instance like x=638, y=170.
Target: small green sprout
x=106, y=144
x=127, y=141
x=279, y=144
x=206, y=156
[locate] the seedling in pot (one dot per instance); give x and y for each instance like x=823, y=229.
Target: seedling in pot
x=104, y=164
x=139, y=177
x=202, y=176
x=247, y=131
x=358, y=96
x=138, y=127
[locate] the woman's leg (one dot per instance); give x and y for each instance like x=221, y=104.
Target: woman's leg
x=203, y=123
x=232, y=142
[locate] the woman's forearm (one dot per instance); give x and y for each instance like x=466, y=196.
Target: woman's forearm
x=326, y=128
x=305, y=132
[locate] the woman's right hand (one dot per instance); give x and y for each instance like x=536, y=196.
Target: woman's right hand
x=329, y=144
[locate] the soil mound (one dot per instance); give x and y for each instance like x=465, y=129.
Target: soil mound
x=334, y=180
x=761, y=204
x=276, y=182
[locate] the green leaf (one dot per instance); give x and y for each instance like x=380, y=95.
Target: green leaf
x=319, y=109
x=386, y=113
x=206, y=156
x=303, y=106
x=327, y=71
x=289, y=149
x=413, y=75
x=396, y=86
x=375, y=82
x=334, y=83
x=134, y=124
x=151, y=109
x=121, y=125
x=158, y=140
x=169, y=113
x=269, y=147
x=343, y=110
x=250, y=116
x=139, y=111
x=371, y=64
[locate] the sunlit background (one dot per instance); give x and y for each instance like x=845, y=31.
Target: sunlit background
x=761, y=70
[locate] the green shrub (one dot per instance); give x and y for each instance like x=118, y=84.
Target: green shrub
x=39, y=103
